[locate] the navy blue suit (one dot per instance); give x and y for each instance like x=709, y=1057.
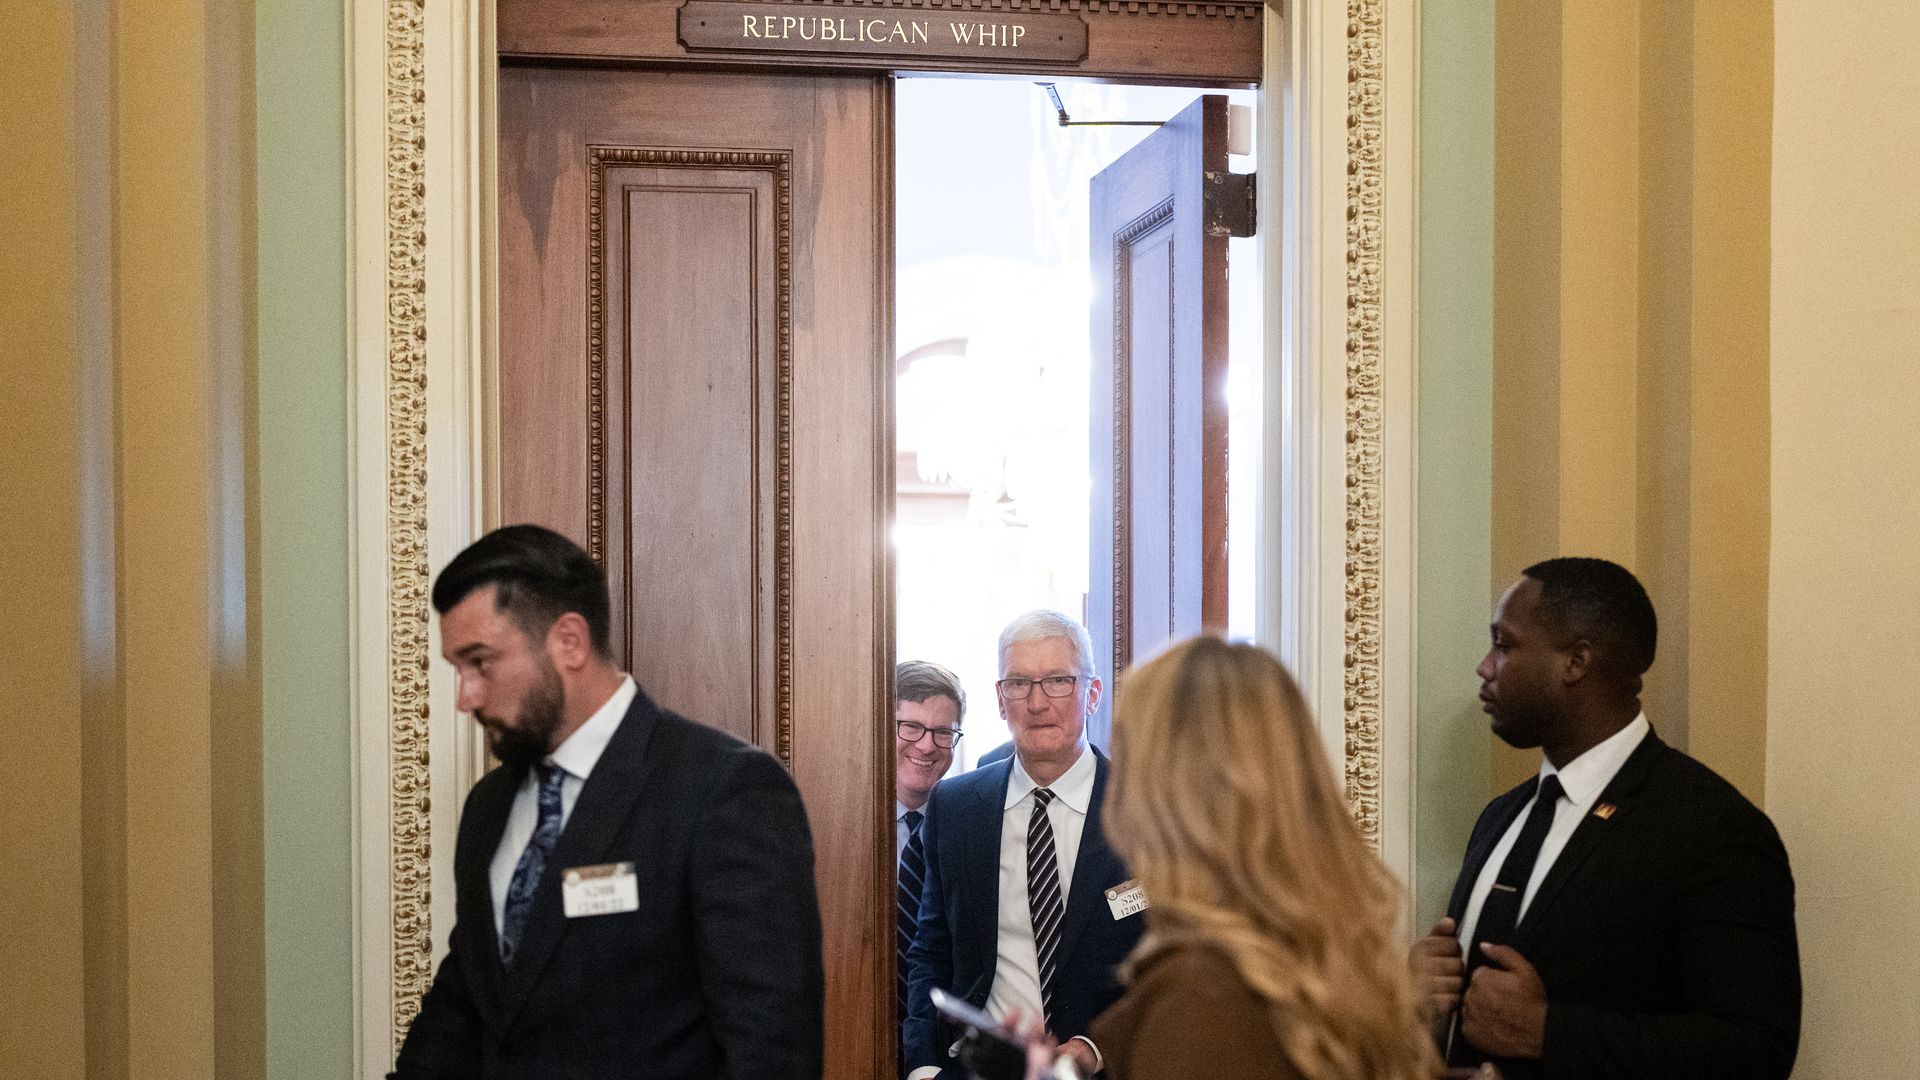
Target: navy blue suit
x=958, y=941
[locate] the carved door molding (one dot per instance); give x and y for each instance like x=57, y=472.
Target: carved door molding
x=422, y=141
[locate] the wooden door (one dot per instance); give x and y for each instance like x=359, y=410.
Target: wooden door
x=1159, y=223
x=693, y=383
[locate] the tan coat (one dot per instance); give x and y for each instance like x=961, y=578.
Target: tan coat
x=1188, y=1016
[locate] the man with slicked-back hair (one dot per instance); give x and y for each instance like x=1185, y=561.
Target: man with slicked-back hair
x=634, y=891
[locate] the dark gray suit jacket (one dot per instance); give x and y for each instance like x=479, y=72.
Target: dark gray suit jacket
x=718, y=974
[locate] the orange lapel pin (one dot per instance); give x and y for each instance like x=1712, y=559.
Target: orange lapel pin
x=1604, y=810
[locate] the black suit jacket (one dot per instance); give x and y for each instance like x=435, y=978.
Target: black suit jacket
x=1664, y=931
x=958, y=942
x=718, y=974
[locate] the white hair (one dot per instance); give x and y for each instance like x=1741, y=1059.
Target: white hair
x=1044, y=625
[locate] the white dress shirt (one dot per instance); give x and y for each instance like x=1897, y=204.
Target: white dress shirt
x=576, y=757
x=1584, y=778
x=1016, y=970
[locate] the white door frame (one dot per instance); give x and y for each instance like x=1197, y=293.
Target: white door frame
x=1336, y=532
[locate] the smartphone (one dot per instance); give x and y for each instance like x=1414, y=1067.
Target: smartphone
x=986, y=1048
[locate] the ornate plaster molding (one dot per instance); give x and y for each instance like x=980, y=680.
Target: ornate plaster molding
x=405, y=366
x=1366, y=94
x=406, y=524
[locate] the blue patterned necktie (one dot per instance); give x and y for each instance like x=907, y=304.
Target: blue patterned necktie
x=906, y=919
x=526, y=873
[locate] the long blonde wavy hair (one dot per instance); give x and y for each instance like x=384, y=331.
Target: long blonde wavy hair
x=1225, y=808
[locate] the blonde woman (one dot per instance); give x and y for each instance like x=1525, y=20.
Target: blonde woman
x=1271, y=948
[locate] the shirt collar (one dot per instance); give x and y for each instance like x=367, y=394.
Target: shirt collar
x=901, y=810
x=582, y=749
x=1075, y=786
x=1586, y=776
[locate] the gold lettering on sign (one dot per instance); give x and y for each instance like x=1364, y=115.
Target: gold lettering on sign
x=987, y=35
x=773, y=26
x=829, y=28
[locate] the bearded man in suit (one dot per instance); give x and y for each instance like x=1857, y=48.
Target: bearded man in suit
x=634, y=891
x=1626, y=913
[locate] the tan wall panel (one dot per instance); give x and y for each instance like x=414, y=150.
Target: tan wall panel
x=162, y=306
x=1726, y=598
x=129, y=575
x=1526, y=306
x=1630, y=412
x=1664, y=541
x=1599, y=196
x=1842, y=654
x=42, y=1030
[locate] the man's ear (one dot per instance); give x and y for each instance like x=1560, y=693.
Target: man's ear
x=570, y=641
x=1576, y=662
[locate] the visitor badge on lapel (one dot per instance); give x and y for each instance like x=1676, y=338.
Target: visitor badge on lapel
x=1126, y=898
x=607, y=889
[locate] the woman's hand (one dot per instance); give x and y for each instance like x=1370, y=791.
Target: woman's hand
x=1043, y=1051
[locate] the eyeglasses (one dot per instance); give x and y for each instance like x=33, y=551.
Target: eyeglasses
x=1052, y=686
x=910, y=731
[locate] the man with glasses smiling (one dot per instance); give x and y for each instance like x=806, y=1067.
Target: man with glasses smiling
x=1023, y=905
x=928, y=706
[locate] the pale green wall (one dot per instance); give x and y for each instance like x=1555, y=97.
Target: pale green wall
x=1456, y=435
x=302, y=408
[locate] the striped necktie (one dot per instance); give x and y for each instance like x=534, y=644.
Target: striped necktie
x=1044, y=902
x=906, y=917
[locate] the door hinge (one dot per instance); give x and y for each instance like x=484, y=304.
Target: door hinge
x=1230, y=209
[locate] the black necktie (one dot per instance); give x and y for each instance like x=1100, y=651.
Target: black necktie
x=906, y=916
x=1500, y=912
x=1043, y=897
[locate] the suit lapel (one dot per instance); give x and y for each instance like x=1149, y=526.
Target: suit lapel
x=605, y=803
x=1093, y=865
x=1592, y=831
x=1500, y=818
x=986, y=815
x=491, y=810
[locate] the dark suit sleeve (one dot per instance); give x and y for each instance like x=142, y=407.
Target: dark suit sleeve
x=1741, y=965
x=930, y=961
x=757, y=922
x=443, y=1042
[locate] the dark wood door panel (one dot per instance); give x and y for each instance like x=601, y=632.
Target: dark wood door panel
x=694, y=370
x=693, y=376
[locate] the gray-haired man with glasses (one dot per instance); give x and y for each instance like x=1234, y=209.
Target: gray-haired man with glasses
x=1015, y=910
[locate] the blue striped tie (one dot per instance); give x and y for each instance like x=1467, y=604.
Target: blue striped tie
x=526, y=873
x=1043, y=897
x=906, y=917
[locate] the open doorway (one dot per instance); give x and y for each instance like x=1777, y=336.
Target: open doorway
x=994, y=361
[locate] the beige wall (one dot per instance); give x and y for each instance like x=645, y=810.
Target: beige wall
x=127, y=603
x=1844, y=658
x=1631, y=278
x=42, y=1029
